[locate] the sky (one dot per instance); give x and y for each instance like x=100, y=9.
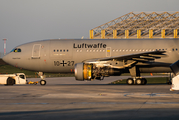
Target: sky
x=23, y=21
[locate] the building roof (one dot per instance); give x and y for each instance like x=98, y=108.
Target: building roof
x=143, y=21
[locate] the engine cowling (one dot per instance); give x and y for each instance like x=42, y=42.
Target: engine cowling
x=83, y=71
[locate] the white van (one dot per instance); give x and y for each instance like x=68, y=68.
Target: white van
x=11, y=79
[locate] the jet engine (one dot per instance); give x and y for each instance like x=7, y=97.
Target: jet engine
x=85, y=71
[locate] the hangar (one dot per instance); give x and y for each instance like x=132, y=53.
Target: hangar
x=139, y=25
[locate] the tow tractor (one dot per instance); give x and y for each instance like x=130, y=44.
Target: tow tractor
x=17, y=78
x=11, y=79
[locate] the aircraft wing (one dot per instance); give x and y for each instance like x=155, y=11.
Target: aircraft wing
x=138, y=57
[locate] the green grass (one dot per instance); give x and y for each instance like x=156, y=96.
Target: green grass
x=152, y=80
x=8, y=69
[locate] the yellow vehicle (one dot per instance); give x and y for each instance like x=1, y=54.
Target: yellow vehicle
x=30, y=82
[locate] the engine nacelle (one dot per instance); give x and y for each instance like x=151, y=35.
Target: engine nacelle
x=83, y=71
x=90, y=71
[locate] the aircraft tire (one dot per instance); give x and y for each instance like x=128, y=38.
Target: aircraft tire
x=42, y=82
x=139, y=81
x=130, y=81
x=10, y=81
x=144, y=81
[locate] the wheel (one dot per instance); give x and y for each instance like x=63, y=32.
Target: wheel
x=130, y=81
x=42, y=82
x=139, y=81
x=10, y=81
x=144, y=81
x=35, y=83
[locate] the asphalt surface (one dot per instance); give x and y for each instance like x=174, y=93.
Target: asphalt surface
x=61, y=99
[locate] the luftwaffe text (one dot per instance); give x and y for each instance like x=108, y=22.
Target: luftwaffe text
x=85, y=45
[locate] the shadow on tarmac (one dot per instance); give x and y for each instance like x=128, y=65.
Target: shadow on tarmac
x=94, y=113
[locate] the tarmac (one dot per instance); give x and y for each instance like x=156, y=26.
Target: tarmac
x=66, y=99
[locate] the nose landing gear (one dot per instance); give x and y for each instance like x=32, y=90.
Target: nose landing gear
x=43, y=82
x=42, y=76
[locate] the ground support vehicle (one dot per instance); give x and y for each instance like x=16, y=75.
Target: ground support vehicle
x=11, y=79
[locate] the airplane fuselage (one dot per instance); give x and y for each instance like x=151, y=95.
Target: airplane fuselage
x=61, y=55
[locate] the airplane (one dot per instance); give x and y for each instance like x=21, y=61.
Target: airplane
x=92, y=59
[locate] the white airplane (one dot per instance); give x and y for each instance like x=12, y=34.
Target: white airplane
x=97, y=58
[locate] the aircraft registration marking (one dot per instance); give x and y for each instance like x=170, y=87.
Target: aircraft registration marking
x=63, y=63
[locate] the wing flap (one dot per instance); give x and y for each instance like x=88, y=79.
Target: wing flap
x=146, y=56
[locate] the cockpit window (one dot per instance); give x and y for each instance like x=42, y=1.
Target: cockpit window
x=12, y=50
x=17, y=50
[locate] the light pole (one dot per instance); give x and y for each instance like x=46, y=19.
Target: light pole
x=4, y=45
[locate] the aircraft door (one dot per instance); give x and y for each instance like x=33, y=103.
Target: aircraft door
x=36, y=51
x=108, y=52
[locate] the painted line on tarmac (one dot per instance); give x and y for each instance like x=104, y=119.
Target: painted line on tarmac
x=111, y=95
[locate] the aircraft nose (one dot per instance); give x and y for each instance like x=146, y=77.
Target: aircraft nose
x=6, y=58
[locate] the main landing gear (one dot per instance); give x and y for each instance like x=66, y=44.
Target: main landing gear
x=137, y=81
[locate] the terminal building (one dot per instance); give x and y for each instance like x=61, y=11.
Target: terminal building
x=139, y=25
